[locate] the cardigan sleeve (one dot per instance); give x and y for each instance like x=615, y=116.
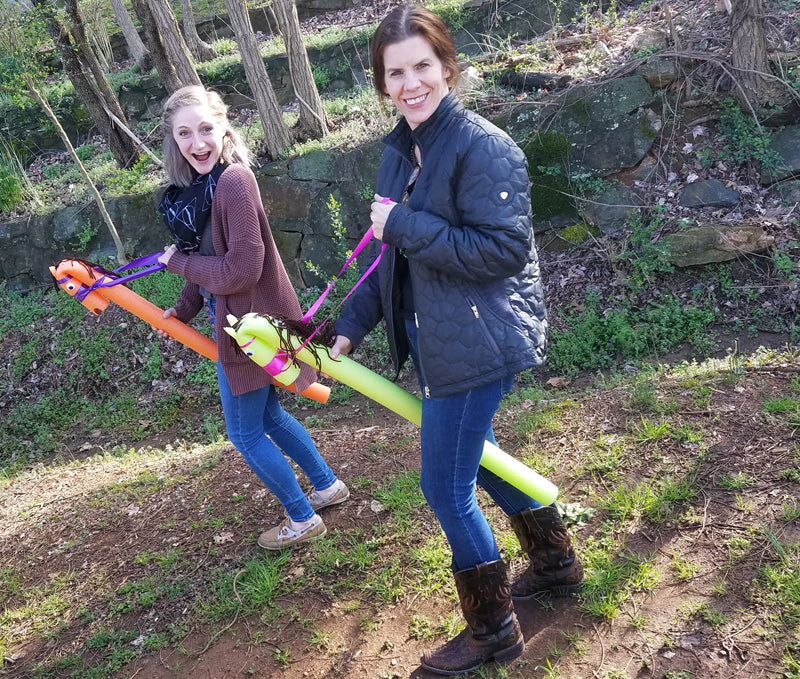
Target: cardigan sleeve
x=236, y=208
x=189, y=302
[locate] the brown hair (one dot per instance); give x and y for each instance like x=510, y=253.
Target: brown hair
x=404, y=22
x=234, y=148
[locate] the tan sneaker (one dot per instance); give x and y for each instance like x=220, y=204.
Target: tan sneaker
x=339, y=492
x=284, y=536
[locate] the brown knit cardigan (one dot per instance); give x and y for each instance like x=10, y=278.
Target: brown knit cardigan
x=246, y=274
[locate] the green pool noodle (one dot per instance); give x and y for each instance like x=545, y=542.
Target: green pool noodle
x=388, y=394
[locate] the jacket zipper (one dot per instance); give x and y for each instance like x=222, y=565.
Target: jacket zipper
x=425, y=390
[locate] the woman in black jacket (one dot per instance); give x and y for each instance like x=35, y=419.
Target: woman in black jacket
x=460, y=291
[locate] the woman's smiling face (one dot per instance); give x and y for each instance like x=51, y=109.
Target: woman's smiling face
x=416, y=79
x=198, y=137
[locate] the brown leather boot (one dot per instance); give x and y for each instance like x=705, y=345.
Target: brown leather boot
x=492, y=631
x=553, y=565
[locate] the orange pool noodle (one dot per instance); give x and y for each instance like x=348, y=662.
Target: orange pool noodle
x=70, y=274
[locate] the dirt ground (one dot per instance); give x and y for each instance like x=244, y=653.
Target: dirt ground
x=90, y=522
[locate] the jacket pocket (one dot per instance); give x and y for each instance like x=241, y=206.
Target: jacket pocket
x=482, y=323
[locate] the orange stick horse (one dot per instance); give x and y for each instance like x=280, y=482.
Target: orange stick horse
x=76, y=277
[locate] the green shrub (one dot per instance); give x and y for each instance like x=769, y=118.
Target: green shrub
x=349, y=278
x=597, y=339
x=86, y=234
x=10, y=188
x=53, y=171
x=744, y=141
x=643, y=257
x=784, y=263
x=452, y=12
x=322, y=76
x=225, y=46
x=14, y=184
x=85, y=152
x=129, y=180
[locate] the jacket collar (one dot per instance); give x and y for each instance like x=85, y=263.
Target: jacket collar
x=401, y=137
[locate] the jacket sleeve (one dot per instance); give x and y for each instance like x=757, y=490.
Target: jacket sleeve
x=490, y=191
x=236, y=206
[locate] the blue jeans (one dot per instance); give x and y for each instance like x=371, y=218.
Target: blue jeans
x=454, y=429
x=262, y=431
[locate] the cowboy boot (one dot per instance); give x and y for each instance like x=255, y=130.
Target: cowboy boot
x=553, y=565
x=492, y=631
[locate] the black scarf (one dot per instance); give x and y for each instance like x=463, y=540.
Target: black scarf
x=186, y=209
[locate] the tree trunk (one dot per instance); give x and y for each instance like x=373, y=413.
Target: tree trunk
x=312, y=123
x=173, y=41
x=89, y=81
x=88, y=57
x=277, y=136
x=199, y=48
x=136, y=49
x=121, y=257
x=751, y=72
x=158, y=52
x=158, y=39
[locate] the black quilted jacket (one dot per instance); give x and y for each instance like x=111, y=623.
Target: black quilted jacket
x=466, y=230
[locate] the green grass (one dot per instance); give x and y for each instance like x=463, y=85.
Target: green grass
x=684, y=568
x=353, y=552
x=650, y=430
x=99, y=384
x=431, y=566
x=778, y=584
x=613, y=576
x=791, y=511
x=41, y=607
x=358, y=117
x=606, y=456
x=735, y=481
x=540, y=419
x=656, y=500
x=336, y=35
x=782, y=405
x=643, y=395
x=246, y=590
x=401, y=496
x=784, y=408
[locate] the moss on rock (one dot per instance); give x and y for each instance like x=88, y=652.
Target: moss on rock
x=548, y=154
x=577, y=233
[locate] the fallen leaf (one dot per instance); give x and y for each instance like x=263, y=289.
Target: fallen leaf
x=223, y=538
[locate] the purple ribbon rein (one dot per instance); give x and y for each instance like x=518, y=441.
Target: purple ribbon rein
x=149, y=261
